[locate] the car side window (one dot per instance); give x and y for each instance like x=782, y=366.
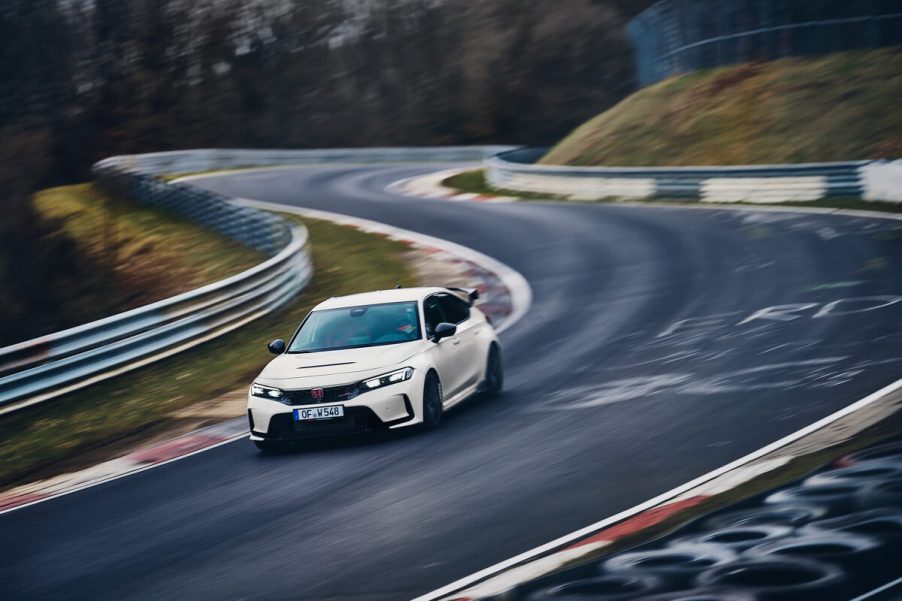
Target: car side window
x=433, y=313
x=456, y=311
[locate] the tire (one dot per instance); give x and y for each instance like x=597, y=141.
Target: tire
x=779, y=578
x=432, y=402
x=772, y=515
x=739, y=538
x=610, y=587
x=494, y=373
x=677, y=565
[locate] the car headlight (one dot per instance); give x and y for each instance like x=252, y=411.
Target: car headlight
x=386, y=379
x=267, y=392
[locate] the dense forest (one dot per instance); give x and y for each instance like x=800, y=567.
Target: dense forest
x=85, y=79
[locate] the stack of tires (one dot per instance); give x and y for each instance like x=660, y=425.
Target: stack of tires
x=834, y=535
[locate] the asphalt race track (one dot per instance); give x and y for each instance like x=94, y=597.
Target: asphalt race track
x=661, y=344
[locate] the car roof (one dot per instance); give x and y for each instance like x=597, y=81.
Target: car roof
x=394, y=295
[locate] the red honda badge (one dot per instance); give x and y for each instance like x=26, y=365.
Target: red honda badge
x=317, y=394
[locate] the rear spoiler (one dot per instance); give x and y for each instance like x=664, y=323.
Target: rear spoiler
x=471, y=294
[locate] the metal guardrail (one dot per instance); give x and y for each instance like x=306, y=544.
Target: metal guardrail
x=515, y=170
x=190, y=161
x=46, y=367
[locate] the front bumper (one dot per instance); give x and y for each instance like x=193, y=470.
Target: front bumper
x=371, y=411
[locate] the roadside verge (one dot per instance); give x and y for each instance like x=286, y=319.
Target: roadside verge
x=506, y=297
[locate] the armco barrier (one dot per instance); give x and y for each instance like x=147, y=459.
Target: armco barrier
x=46, y=367
x=40, y=369
x=515, y=170
x=192, y=161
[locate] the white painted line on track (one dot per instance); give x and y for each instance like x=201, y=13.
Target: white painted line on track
x=466, y=581
x=879, y=590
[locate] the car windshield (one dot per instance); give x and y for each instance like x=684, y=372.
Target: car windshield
x=356, y=327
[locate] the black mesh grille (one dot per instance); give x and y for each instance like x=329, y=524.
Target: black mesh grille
x=334, y=394
x=356, y=420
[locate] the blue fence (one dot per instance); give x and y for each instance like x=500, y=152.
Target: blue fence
x=676, y=36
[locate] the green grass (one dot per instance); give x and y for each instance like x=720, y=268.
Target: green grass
x=474, y=182
x=51, y=437
x=838, y=107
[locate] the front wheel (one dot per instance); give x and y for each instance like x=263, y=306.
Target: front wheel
x=432, y=402
x=494, y=373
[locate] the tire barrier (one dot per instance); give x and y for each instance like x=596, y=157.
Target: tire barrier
x=891, y=452
x=704, y=594
x=778, y=578
x=873, y=469
x=885, y=523
x=739, y=538
x=781, y=515
x=612, y=587
x=869, y=180
x=852, y=551
x=833, y=535
x=677, y=565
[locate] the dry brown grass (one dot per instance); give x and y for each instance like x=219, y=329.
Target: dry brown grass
x=834, y=108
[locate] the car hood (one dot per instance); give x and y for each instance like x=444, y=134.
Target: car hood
x=349, y=361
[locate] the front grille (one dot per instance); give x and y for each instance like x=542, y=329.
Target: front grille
x=334, y=394
x=356, y=420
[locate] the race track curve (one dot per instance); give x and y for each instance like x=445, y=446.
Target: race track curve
x=652, y=354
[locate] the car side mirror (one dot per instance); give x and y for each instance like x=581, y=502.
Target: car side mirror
x=443, y=330
x=276, y=347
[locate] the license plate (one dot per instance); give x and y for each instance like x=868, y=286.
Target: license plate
x=328, y=412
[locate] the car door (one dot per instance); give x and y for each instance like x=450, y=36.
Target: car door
x=466, y=339
x=447, y=354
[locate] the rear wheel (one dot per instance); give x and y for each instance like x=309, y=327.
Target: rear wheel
x=494, y=373
x=432, y=402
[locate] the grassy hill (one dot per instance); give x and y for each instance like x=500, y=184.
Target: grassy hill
x=100, y=256
x=838, y=107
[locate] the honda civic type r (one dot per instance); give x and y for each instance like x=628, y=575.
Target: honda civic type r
x=378, y=360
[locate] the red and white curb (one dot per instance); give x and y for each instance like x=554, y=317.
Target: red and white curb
x=505, y=297
x=546, y=558
x=430, y=186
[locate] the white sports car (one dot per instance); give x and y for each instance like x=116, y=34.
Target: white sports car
x=377, y=360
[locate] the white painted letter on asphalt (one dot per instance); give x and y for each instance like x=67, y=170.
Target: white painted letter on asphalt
x=779, y=312
x=881, y=302
x=691, y=322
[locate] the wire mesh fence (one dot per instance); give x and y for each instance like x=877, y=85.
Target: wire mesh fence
x=676, y=36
